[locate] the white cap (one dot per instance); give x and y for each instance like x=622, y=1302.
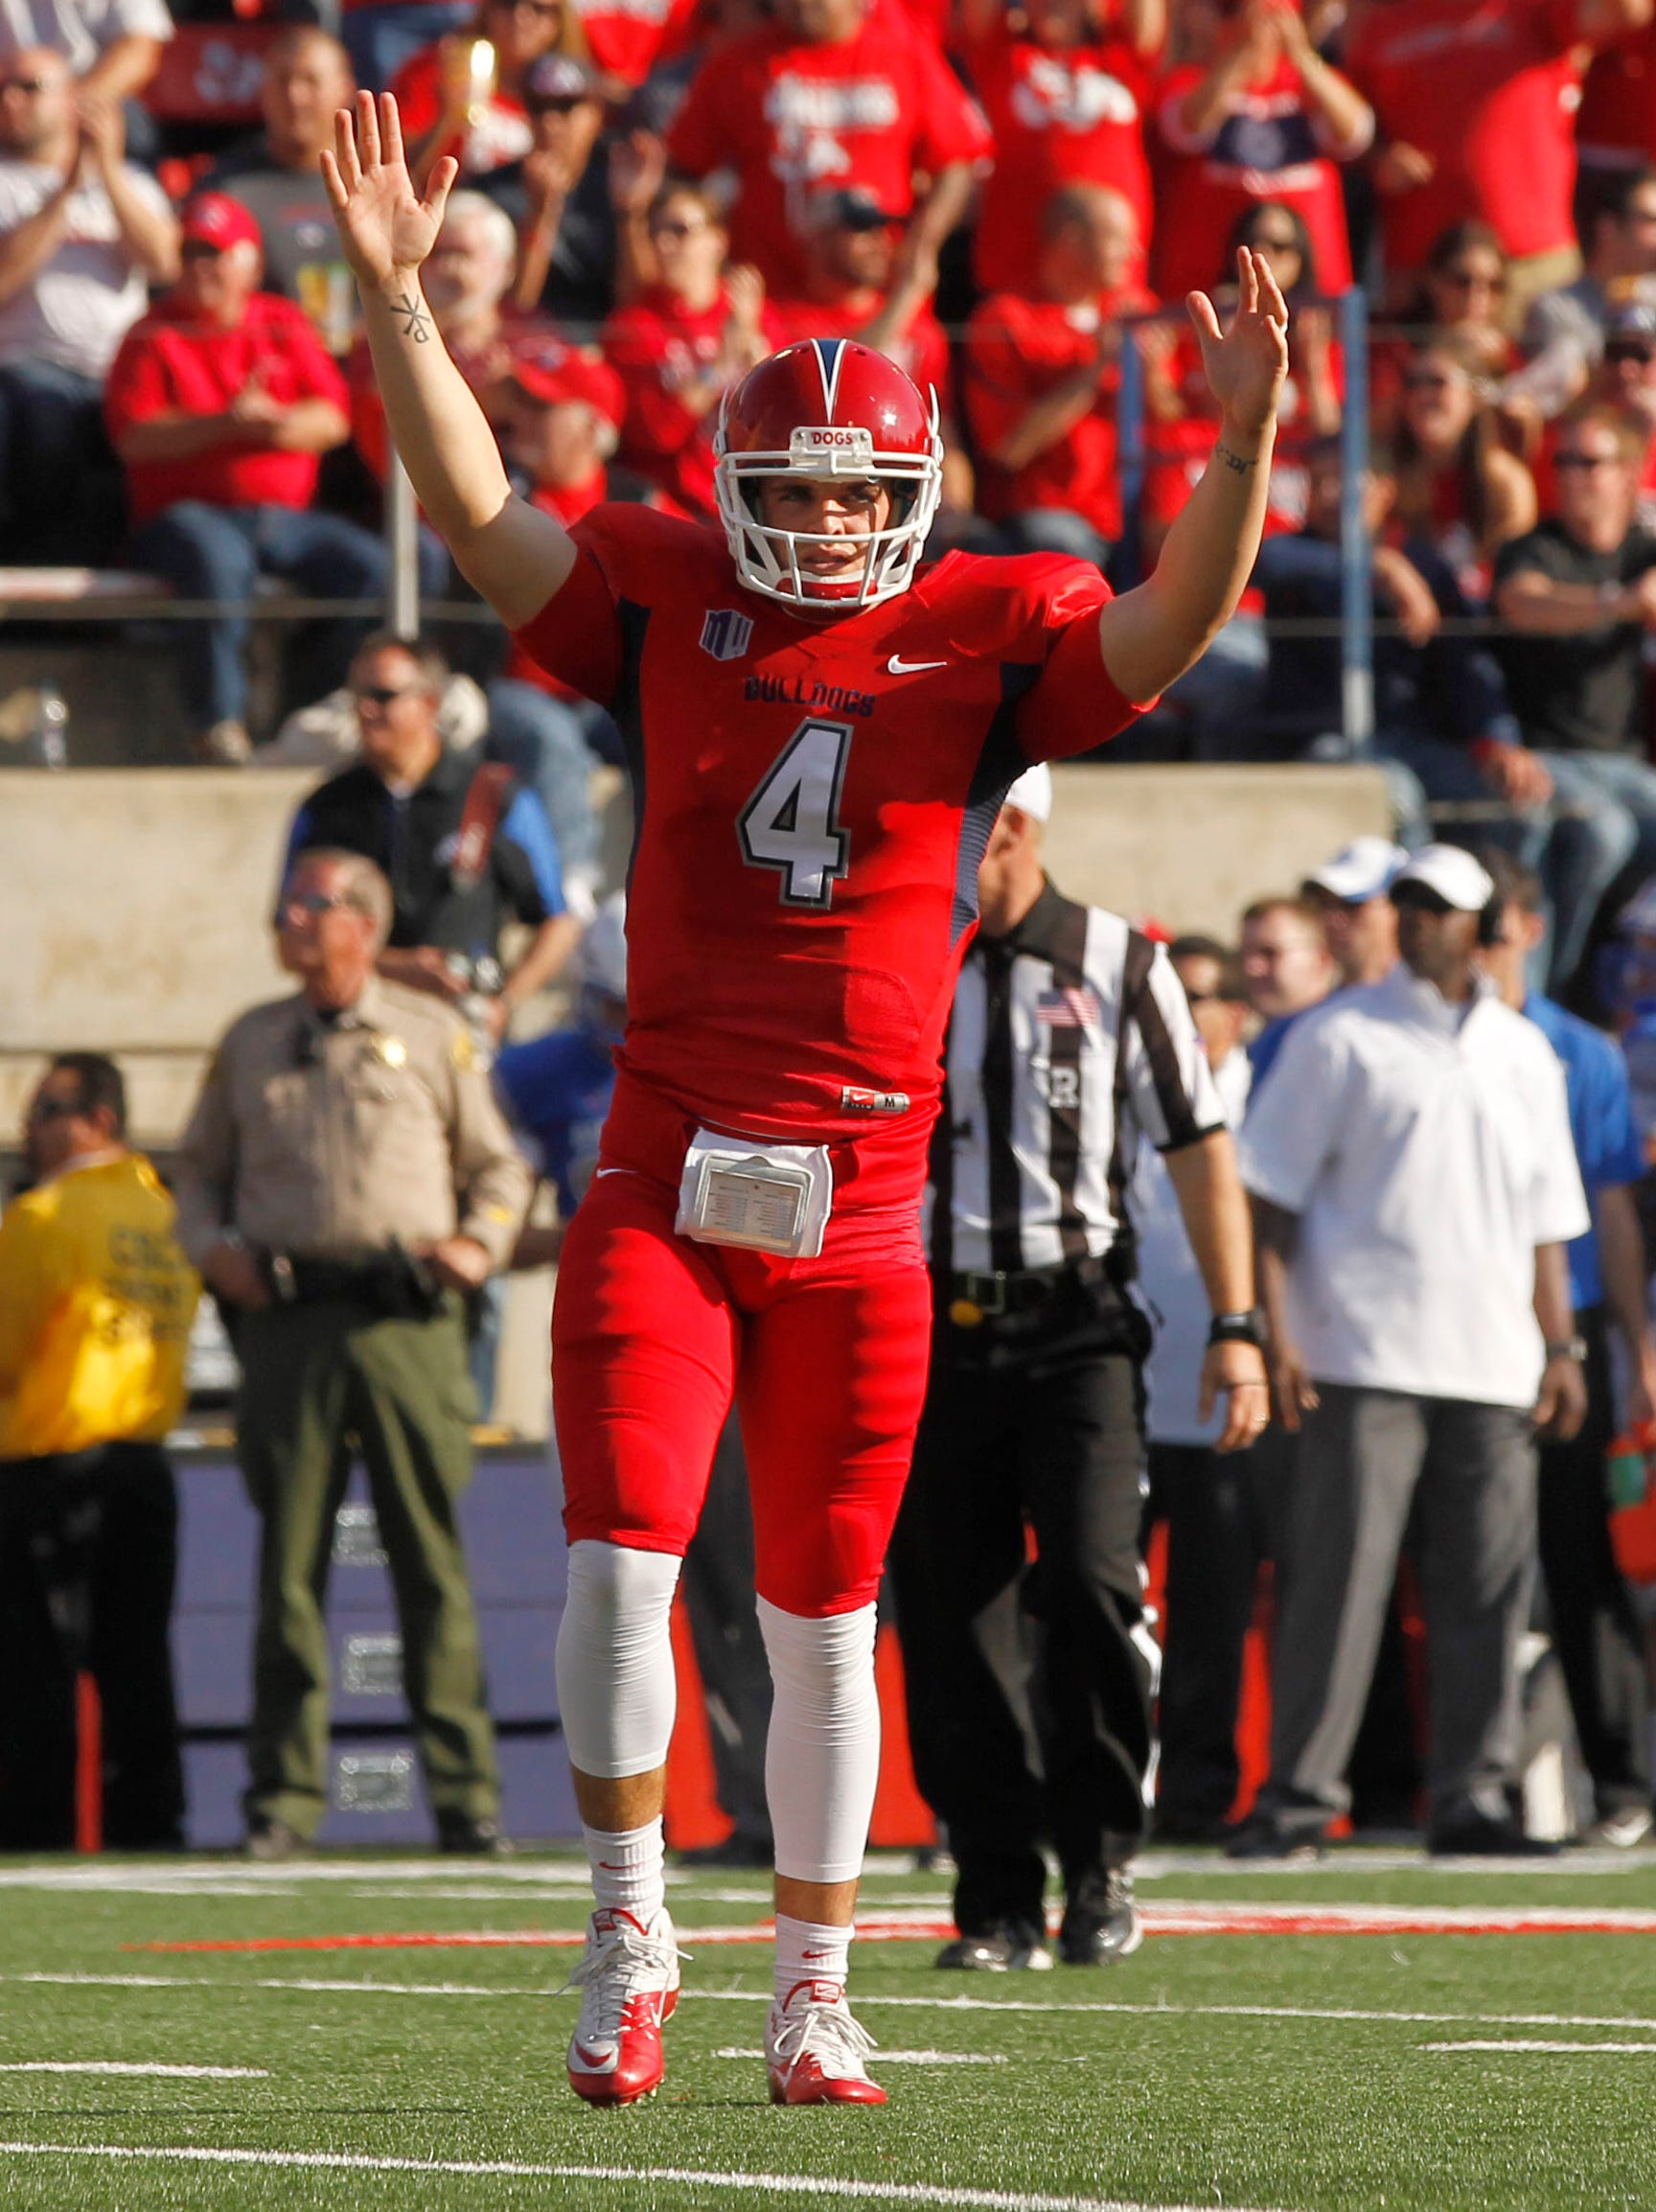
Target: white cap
x=601, y=958
x=1450, y=870
x=1032, y=792
x=1360, y=872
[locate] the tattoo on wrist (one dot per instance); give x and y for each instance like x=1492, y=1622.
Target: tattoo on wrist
x=1234, y=462
x=419, y=322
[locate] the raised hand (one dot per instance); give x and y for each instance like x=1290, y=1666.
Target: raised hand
x=386, y=228
x=1245, y=365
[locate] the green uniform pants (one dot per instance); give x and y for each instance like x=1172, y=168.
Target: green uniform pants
x=315, y=1378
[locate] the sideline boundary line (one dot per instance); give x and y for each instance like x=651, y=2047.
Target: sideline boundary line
x=674, y=2176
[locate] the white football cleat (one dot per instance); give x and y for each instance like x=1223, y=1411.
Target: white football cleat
x=629, y=1979
x=815, y=2050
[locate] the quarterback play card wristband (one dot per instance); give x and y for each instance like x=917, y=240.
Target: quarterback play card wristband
x=760, y=1197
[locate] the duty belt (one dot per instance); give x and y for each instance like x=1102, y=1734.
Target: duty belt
x=976, y=1297
x=393, y=1283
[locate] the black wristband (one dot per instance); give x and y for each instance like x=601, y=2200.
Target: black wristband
x=1238, y=1328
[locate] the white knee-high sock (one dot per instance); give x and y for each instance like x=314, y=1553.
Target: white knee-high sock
x=616, y=1692
x=823, y=1758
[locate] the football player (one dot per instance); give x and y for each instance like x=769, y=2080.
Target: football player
x=819, y=734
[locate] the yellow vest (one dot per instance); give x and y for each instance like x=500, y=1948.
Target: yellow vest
x=95, y=1302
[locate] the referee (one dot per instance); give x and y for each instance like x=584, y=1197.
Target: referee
x=1029, y=1684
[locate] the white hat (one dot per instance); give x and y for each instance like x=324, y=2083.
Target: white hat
x=1032, y=792
x=1450, y=870
x=1359, y=871
x=601, y=958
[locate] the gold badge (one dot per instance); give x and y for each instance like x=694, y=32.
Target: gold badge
x=391, y=1051
x=966, y=1313
x=462, y=1052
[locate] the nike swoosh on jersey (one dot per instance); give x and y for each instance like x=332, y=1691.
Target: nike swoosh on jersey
x=898, y=666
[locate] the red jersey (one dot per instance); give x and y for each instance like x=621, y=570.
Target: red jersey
x=1060, y=115
x=1017, y=350
x=863, y=115
x=811, y=799
x=657, y=347
x=168, y=365
x=921, y=353
x=1268, y=146
x=628, y=37
x=1487, y=89
x=1616, y=124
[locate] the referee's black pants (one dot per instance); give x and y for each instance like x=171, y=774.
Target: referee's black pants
x=1596, y=1632
x=1030, y=1683
x=88, y=1550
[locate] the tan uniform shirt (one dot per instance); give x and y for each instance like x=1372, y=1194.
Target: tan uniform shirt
x=336, y=1140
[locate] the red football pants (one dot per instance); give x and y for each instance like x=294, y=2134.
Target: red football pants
x=826, y=1359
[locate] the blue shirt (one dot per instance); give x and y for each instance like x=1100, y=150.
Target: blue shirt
x=556, y=1091
x=1263, y=1050
x=1607, y=1146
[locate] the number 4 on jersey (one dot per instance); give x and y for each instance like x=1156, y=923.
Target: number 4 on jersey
x=791, y=821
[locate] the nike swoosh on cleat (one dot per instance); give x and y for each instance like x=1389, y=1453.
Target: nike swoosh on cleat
x=898, y=666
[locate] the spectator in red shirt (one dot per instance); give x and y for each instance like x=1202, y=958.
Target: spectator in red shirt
x=837, y=95
x=630, y=38
x=1458, y=489
x=561, y=423
x=1474, y=102
x=1615, y=122
x=220, y=403
x=681, y=342
x=1067, y=85
x=1255, y=115
x=1042, y=375
x=464, y=95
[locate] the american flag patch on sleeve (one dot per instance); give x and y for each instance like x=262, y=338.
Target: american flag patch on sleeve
x=1070, y=1009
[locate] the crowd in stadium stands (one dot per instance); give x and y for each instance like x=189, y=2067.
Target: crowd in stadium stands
x=1010, y=200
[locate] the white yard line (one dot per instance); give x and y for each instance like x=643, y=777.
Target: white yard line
x=1518, y=2045
x=867, y=2000
x=672, y=2177
x=129, y=2067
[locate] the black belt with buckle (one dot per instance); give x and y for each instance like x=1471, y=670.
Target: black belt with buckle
x=976, y=1297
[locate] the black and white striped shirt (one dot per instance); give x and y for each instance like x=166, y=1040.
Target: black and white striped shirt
x=1070, y=1040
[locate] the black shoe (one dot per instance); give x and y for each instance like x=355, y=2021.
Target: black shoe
x=1476, y=1836
x=467, y=1838
x=271, y=1840
x=1101, y=1921
x=1008, y=1946
x=737, y=1850
x=1263, y=1837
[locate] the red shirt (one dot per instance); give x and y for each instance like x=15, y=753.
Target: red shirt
x=1017, y=349
x=1268, y=146
x=794, y=121
x=502, y=134
x=168, y=365
x=1617, y=120
x=656, y=346
x=921, y=353
x=628, y=37
x=808, y=816
x=1485, y=87
x=1060, y=116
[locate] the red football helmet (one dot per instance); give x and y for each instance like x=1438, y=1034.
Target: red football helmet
x=823, y=408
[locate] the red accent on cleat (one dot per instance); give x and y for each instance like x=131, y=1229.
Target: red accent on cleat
x=815, y=2050
x=629, y=1975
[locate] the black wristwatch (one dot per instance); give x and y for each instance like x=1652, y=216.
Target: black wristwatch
x=1571, y=1348
x=1239, y=1328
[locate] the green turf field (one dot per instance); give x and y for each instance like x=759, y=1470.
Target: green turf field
x=1295, y=2072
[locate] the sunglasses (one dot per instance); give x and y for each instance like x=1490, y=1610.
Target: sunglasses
x=557, y=106
x=381, y=694
x=1473, y=280
x=53, y=1109
x=317, y=903
x=1274, y=244
x=1425, y=381
x=30, y=84
x=678, y=229
x=1586, y=460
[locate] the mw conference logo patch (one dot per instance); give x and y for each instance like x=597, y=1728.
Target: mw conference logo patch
x=725, y=634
